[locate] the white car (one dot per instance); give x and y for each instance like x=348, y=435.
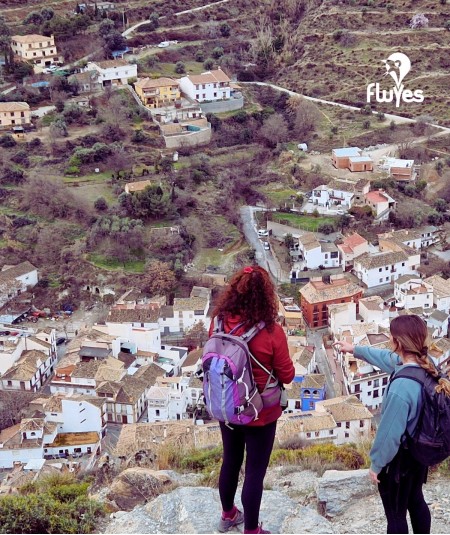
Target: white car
x=263, y=232
x=163, y=44
x=266, y=246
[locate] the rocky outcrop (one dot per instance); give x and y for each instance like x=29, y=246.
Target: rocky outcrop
x=136, y=486
x=336, y=489
x=348, y=501
x=197, y=510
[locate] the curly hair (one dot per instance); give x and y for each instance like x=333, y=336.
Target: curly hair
x=251, y=295
x=410, y=335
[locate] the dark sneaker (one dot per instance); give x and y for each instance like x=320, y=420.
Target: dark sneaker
x=226, y=524
x=260, y=530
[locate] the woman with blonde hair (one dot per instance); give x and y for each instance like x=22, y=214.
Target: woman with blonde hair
x=399, y=476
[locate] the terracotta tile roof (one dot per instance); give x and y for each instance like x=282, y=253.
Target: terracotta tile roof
x=374, y=302
x=189, y=303
x=75, y=439
x=439, y=315
x=303, y=356
x=341, y=185
x=16, y=271
x=346, y=408
x=112, y=63
x=30, y=38
x=376, y=197
x=309, y=241
x=195, y=382
x=353, y=240
x=293, y=390
x=315, y=292
x=14, y=106
x=314, y=380
x=402, y=235
x=26, y=366
x=209, y=77
x=86, y=370
x=192, y=358
x=130, y=315
x=158, y=392
x=156, y=82
x=140, y=185
x=306, y=422
x=369, y=261
x=441, y=286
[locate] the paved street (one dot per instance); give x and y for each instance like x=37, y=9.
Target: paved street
x=264, y=258
x=315, y=338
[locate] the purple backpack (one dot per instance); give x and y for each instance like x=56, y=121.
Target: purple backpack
x=229, y=388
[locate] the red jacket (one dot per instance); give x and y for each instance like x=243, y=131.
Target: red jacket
x=271, y=349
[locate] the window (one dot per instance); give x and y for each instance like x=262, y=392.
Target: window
x=361, y=423
x=379, y=269
x=357, y=388
x=375, y=393
x=347, y=435
x=330, y=432
x=197, y=97
x=308, y=435
x=317, y=433
x=381, y=280
x=385, y=380
x=386, y=268
x=376, y=383
x=157, y=412
x=347, y=425
x=403, y=264
x=204, y=95
x=339, y=424
x=369, y=383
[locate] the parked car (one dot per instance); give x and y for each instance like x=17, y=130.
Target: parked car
x=163, y=44
x=263, y=232
x=60, y=340
x=266, y=246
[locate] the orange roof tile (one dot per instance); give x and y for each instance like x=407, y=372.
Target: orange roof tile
x=376, y=197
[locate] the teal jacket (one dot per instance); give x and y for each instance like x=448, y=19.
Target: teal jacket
x=401, y=406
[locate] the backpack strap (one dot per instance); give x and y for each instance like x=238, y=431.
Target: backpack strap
x=218, y=325
x=415, y=373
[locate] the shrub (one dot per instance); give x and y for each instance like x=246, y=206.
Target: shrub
x=419, y=20
x=199, y=55
x=217, y=52
x=325, y=228
x=180, y=68
x=7, y=141
x=100, y=204
x=225, y=29
x=208, y=64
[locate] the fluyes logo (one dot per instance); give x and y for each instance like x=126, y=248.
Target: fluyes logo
x=397, y=66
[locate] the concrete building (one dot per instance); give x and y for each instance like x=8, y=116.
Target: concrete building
x=381, y=203
x=352, y=246
x=159, y=92
x=441, y=292
x=113, y=72
x=14, y=114
x=337, y=193
x=411, y=292
x=37, y=49
x=208, y=86
x=310, y=253
x=321, y=292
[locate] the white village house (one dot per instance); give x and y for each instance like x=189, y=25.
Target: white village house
x=208, y=86
x=412, y=292
x=113, y=72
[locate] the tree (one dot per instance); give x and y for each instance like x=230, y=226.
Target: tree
x=100, y=204
x=119, y=161
x=208, y=64
x=306, y=117
x=5, y=41
x=158, y=279
x=440, y=205
x=274, y=130
x=217, y=52
x=106, y=27
x=225, y=29
x=199, y=55
x=289, y=241
x=418, y=21
x=196, y=336
x=447, y=24
x=12, y=403
x=33, y=18
x=180, y=67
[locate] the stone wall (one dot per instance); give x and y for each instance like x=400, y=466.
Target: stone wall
x=190, y=139
x=222, y=105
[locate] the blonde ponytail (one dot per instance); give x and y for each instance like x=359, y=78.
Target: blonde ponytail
x=427, y=364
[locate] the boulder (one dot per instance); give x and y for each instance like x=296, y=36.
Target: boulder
x=336, y=489
x=136, y=486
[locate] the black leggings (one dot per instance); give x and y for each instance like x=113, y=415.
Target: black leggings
x=400, y=489
x=258, y=442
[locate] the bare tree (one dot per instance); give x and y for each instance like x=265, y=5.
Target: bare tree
x=275, y=130
x=404, y=140
x=306, y=116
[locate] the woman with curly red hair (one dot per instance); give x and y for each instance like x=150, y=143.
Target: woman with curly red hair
x=249, y=298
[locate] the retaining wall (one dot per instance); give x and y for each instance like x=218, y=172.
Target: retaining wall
x=222, y=105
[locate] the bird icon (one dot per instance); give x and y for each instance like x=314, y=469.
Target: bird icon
x=397, y=66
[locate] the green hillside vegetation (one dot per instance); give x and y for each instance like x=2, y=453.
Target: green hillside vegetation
x=55, y=504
